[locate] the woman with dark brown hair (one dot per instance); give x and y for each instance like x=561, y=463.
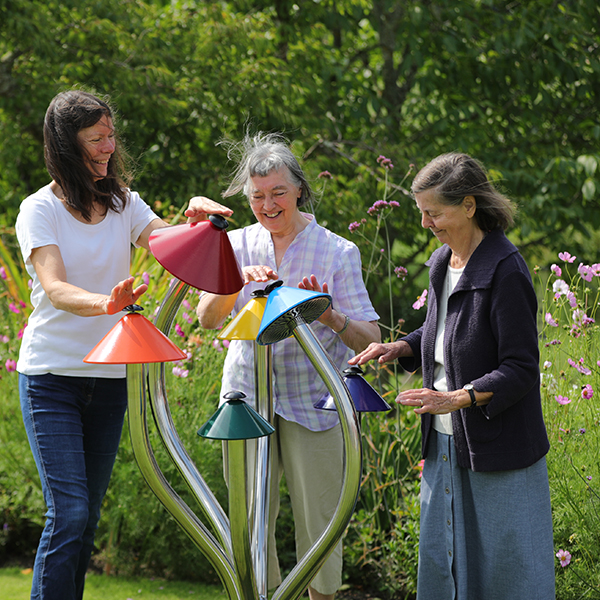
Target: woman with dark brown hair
x=76, y=235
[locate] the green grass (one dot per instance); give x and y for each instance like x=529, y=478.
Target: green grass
x=15, y=584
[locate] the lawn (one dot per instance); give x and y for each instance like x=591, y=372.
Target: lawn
x=15, y=584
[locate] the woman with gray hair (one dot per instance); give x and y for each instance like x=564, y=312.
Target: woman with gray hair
x=486, y=522
x=288, y=244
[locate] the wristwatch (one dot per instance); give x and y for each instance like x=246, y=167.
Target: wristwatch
x=469, y=388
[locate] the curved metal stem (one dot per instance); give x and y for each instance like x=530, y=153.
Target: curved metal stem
x=211, y=509
x=303, y=573
x=187, y=520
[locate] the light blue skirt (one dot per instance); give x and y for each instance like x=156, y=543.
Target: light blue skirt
x=485, y=535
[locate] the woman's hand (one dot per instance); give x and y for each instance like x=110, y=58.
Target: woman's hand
x=123, y=295
x=311, y=284
x=200, y=207
x=258, y=273
x=382, y=352
x=434, y=402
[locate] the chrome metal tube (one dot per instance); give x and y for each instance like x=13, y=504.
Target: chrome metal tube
x=303, y=573
x=260, y=473
x=238, y=514
x=187, y=520
x=211, y=509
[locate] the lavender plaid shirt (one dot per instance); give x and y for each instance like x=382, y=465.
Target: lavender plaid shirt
x=296, y=384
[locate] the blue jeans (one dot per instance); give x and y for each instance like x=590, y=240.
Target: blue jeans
x=74, y=427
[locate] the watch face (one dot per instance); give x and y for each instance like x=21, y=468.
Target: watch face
x=467, y=387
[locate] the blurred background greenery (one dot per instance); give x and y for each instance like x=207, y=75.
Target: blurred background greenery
x=515, y=84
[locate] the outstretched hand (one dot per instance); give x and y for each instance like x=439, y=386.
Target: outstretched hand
x=311, y=284
x=122, y=295
x=258, y=273
x=200, y=207
x=382, y=352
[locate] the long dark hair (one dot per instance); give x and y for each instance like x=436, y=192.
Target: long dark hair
x=68, y=113
x=454, y=176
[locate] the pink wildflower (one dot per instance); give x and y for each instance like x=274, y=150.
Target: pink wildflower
x=550, y=320
x=325, y=175
x=2, y=273
x=566, y=257
x=5, y=339
x=562, y=399
x=394, y=204
x=226, y=343
x=180, y=372
x=572, y=299
x=564, y=556
x=186, y=304
x=401, y=272
x=216, y=344
x=13, y=308
x=146, y=277
x=421, y=300
x=179, y=331
x=10, y=365
x=21, y=332
x=596, y=269
x=579, y=366
x=556, y=270
x=587, y=391
x=560, y=287
x=353, y=226
x=585, y=272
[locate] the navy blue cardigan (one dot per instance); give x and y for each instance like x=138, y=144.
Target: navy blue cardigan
x=491, y=341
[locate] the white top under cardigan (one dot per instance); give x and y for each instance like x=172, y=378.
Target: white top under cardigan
x=443, y=423
x=96, y=258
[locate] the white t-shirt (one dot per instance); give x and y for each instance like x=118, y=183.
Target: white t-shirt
x=96, y=258
x=443, y=423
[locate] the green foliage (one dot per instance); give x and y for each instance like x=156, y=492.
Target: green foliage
x=570, y=385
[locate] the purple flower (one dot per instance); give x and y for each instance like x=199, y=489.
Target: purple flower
x=589, y=477
x=226, y=343
x=596, y=269
x=585, y=272
x=353, y=226
x=564, y=556
x=562, y=399
x=587, y=391
x=556, y=270
x=582, y=431
x=550, y=320
x=5, y=339
x=325, y=175
x=572, y=299
x=187, y=317
x=10, y=365
x=216, y=344
x=2, y=273
x=179, y=331
x=21, y=332
x=13, y=308
x=385, y=162
x=146, y=277
x=394, y=204
x=566, y=257
x=421, y=300
x=401, y=272
x=187, y=305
